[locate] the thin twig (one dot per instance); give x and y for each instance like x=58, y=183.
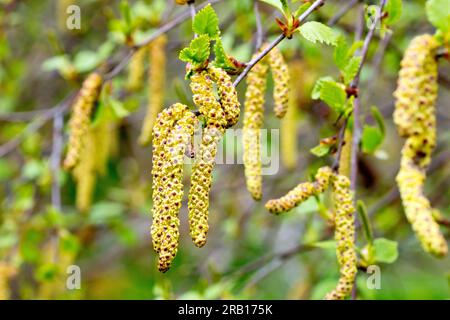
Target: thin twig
x=192, y=13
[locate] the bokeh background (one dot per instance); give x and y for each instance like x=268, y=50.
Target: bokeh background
x=250, y=254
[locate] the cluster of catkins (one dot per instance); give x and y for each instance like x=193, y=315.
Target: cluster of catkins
x=172, y=135
x=254, y=113
x=416, y=121
x=344, y=219
x=89, y=145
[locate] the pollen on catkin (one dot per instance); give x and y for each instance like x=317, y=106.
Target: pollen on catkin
x=227, y=94
x=204, y=161
x=281, y=79
x=173, y=131
x=253, y=122
x=344, y=236
x=415, y=118
x=156, y=86
x=301, y=192
x=81, y=117
x=136, y=70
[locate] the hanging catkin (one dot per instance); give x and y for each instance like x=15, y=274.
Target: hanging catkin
x=289, y=124
x=198, y=203
x=344, y=236
x=281, y=80
x=301, y=192
x=80, y=118
x=173, y=131
x=227, y=95
x=156, y=86
x=136, y=71
x=253, y=122
x=415, y=119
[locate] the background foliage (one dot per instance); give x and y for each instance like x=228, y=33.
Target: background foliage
x=41, y=62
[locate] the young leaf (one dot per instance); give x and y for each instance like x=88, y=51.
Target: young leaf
x=340, y=54
x=315, y=94
x=320, y=150
x=385, y=250
x=197, y=52
x=206, y=22
x=317, y=32
x=393, y=9
x=302, y=9
x=438, y=12
x=372, y=138
x=379, y=119
x=365, y=221
x=222, y=60
x=351, y=69
x=333, y=94
x=275, y=3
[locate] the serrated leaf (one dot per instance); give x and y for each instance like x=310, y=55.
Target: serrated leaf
x=385, y=250
x=315, y=94
x=351, y=69
x=317, y=32
x=393, y=9
x=438, y=12
x=275, y=3
x=372, y=138
x=333, y=94
x=340, y=54
x=197, y=52
x=221, y=60
x=320, y=150
x=206, y=22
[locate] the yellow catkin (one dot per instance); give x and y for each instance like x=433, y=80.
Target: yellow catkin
x=281, y=79
x=227, y=95
x=253, y=122
x=157, y=84
x=198, y=203
x=344, y=236
x=172, y=133
x=415, y=118
x=289, y=124
x=80, y=118
x=6, y=273
x=301, y=192
x=136, y=71
x=93, y=161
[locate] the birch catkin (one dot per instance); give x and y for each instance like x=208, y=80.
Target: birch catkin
x=253, y=122
x=173, y=131
x=156, y=86
x=81, y=117
x=344, y=236
x=301, y=193
x=198, y=203
x=281, y=79
x=415, y=118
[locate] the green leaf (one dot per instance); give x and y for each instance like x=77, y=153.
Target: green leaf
x=320, y=150
x=393, y=9
x=302, y=9
x=315, y=94
x=86, y=61
x=379, y=119
x=385, y=250
x=340, y=54
x=221, y=60
x=198, y=51
x=438, y=12
x=275, y=3
x=317, y=32
x=351, y=69
x=372, y=138
x=327, y=244
x=59, y=63
x=206, y=22
x=333, y=94
x=362, y=210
